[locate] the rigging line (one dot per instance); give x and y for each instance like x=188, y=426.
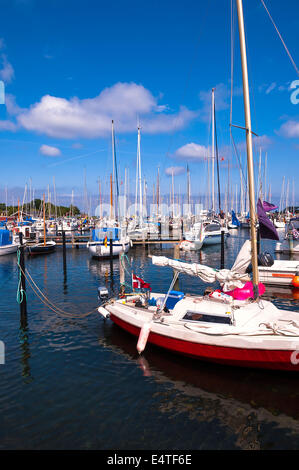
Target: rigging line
x=232, y=48
x=77, y=157
x=240, y=164
x=217, y=159
x=284, y=44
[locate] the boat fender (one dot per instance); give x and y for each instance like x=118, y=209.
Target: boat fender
x=143, y=336
x=104, y=312
x=246, y=291
x=295, y=280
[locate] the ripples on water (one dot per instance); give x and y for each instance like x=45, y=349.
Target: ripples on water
x=79, y=383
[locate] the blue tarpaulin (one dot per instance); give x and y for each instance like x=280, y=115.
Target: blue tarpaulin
x=5, y=237
x=98, y=234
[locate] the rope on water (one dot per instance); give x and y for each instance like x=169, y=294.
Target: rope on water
x=43, y=298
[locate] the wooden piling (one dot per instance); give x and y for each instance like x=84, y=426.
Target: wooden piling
x=22, y=287
x=222, y=249
x=176, y=256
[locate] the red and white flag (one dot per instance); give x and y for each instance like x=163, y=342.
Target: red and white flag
x=139, y=283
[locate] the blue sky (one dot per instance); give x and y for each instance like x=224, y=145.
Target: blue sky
x=70, y=67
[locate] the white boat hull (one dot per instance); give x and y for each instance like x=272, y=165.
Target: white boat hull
x=8, y=249
x=281, y=273
x=99, y=250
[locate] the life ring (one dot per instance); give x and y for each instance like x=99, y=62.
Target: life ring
x=185, y=245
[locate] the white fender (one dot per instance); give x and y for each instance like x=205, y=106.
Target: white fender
x=104, y=312
x=143, y=336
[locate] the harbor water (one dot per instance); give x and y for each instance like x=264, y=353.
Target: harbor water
x=78, y=383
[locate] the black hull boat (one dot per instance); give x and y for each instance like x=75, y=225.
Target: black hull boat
x=41, y=248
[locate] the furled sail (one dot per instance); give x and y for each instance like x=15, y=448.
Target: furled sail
x=229, y=279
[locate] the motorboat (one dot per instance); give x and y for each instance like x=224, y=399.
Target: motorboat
x=7, y=244
x=212, y=233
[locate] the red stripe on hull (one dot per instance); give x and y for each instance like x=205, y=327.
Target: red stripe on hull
x=254, y=358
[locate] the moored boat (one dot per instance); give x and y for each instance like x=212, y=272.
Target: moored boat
x=7, y=244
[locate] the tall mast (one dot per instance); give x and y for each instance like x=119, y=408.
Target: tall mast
x=249, y=149
x=213, y=149
x=115, y=176
x=111, y=198
x=44, y=215
x=55, y=200
x=72, y=204
x=158, y=191
x=139, y=176
x=125, y=196
x=172, y=192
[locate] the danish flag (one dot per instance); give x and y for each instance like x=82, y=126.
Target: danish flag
x=139, y=283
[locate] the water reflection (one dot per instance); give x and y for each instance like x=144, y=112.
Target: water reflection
x=242, y=400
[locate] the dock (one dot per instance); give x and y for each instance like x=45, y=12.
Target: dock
x=81, y=240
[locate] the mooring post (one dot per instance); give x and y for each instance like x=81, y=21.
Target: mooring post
x=176, y=256
x=111, y=257
x=64, y=249
x=122, y=287
x=291, y=241
x=22, y=286
x=222, y=249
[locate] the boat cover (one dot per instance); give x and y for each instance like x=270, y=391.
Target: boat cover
x=5, y=237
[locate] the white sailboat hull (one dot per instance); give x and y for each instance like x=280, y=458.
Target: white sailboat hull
x=99, y=250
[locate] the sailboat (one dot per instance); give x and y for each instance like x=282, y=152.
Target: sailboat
x=44, y=247
x=110, y=240
x=231, y=326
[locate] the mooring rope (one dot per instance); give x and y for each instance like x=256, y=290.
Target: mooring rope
x=20, y=291
x=43, y=298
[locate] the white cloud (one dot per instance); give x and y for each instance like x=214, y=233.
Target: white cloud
x=175, y=170
x=50, y=151
x=290, y=129
x=11, y=106
x=191, y=152
x=7, y=126
x=125, y=103
x=6, y=72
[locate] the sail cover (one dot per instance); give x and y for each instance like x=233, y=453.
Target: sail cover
x=235, y=220
x=268, y=206
x=267, y=229
x=229, y=279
